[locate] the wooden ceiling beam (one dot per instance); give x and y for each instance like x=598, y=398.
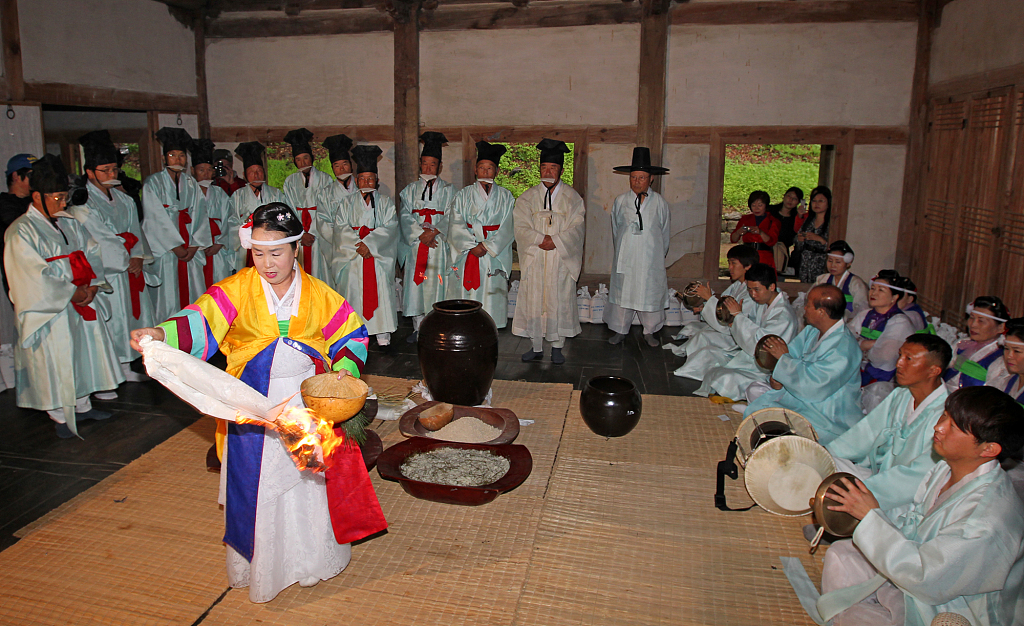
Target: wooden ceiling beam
x=788, y=12
x=351, y=22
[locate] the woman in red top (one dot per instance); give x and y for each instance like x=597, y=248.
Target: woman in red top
x=759, y=229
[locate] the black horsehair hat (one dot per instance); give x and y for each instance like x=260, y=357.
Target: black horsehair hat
x=338, y=147
x=48, y=175
x=299, y=140
x=251, y=153
x=641, y=163
x=366, y=158
x=174, y=139
x=489, y=152
x=432, y=144
x=552, y=151
x=202, y=151
x=98, y=148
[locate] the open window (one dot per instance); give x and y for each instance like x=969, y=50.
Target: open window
x=520, y=167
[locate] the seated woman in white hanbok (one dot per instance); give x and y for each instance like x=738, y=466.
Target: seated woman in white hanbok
x=958, y=548
x=978, y=360
x=838, y=262
x=880, y=330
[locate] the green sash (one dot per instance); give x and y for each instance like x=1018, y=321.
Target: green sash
x=849, y=298
x=971, y=368
x=928, y=330
x=282, y=327
x=867, y=333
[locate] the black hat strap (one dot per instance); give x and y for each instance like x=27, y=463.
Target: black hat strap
x=369, y=196
x=428, y=187
x=640, y=200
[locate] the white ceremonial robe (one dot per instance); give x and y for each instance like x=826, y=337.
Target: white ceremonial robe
x=331, y=198
x=713, y=345
x=223, y=222
x=883, y=355
x=732, y=379
x=419, y=208
x=638, y=280
x=110, y=222
x=59, y=356
x=175, y=215
x=820, y=380
x=243, y=203
x=856, y=300
x=546, y=305
x=305, y=197
x=960, y=552
x=738, y=291
x=474, y=218
x=894, y=451
x=355, y=276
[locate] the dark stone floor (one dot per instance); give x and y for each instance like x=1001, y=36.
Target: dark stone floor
x=39, y=472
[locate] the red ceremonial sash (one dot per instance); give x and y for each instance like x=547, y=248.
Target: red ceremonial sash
x=423, y=250
x=136, y=282
x=82, y=275
x=307, y=251
x=369, y=278
x=208, y=268
x=471, y=276
x=351, y=501
x=184, y=219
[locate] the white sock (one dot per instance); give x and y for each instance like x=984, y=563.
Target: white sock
x=416, y=321
x=83, y=405
x=106, y=395
x=383, y=339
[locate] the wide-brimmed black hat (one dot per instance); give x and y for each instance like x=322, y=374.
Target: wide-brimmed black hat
x=299, y=140
x=432, y=144
x=642, y=163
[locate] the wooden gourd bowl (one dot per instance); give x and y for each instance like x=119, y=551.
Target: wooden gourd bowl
x=333, y=399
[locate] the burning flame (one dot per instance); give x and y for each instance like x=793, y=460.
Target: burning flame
x=309, y=439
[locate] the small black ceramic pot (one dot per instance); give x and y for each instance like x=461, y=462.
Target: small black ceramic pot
x=610, y=405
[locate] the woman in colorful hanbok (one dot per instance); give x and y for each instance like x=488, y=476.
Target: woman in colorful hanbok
x=978, y=359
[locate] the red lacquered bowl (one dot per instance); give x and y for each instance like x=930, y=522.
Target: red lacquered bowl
x=503, y=419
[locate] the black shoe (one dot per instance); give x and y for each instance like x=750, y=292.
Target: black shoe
x=413, y=337
x=64, y=432
x=557, y=357
x=92, y=414
x=533, y=356
x=387, y=348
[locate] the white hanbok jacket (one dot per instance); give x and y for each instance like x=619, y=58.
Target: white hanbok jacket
x=419, y=207
x=639, y=281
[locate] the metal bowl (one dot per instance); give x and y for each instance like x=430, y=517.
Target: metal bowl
x=762, y=357
x=689, y=296
x=838, y=523
x=722, y=312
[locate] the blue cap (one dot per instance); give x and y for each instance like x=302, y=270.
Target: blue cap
x=20, y=161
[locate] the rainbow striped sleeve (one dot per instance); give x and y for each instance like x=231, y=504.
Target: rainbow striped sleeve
x=198, y=328
x=346, y=339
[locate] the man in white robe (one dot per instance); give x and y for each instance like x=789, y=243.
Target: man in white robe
x=255, y=194
x=176, y=227
x=711, y=344
x=332, y=196
x=423, y=216
x=818, y=373
x=480, y=236
x=110, y=217
x=64, y=352
x=640, y=234
x=958, y=548
x=366, y=246
x=220, y=258
x=303, y=190
x=550, y=222
x=772, y=315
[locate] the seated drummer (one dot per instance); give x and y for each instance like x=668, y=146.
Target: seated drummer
x=818, y=373
x=838, y=262
x=978, y=359
x=958, y=548
x=890, y=449
x=880, y=331
x=740, y=259
x=772, y=315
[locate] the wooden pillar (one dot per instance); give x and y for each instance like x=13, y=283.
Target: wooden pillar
x=913, y=163
x=407, y=92
x=716, y=190
x=151, y=159
x=10, y=30
x=468, y=159
x=842, y=175
x=199, y=28
x=826, y=168
x=580, y=158
x=650, y=123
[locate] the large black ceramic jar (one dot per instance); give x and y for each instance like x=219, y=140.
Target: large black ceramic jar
x=458, y=350
x=610, y=405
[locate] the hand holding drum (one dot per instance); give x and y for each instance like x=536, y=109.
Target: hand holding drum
x=765, y=358
x=723, y=311
x=690, y=296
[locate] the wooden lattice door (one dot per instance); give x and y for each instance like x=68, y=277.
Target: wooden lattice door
x=1010, y=243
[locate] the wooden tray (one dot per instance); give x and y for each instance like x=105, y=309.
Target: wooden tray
x=502, y=419
x=390, y=462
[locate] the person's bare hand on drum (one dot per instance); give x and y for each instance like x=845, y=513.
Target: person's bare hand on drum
x=704, y=291
x=138, y=334
x=856, y=500
x=734, y=307
x=776, y=347
x=774, y=384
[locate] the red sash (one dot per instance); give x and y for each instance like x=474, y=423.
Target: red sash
x=471, y=276
x=369, y=278
x=307, y=251
x=208, y=268
x=82, y=275
x=351, y=501
x=184, y=219
x=136, y=282
x=423, y=250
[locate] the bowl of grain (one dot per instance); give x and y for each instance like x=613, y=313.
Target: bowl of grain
x=455, y=473
x=469, y=424
x=333, y=398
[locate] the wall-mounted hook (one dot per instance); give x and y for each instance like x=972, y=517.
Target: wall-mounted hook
x=179, y=119
x=10, y=112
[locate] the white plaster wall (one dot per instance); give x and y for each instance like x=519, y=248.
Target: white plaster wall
x=120, y=44
x=85, y=121
x=301, y=81
x=875, y=193
x=797, y=74
x=576, y=75
x=604, y=185
x=975, y=36
x=22, y=134
x=189, y=121
x=685, y=188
